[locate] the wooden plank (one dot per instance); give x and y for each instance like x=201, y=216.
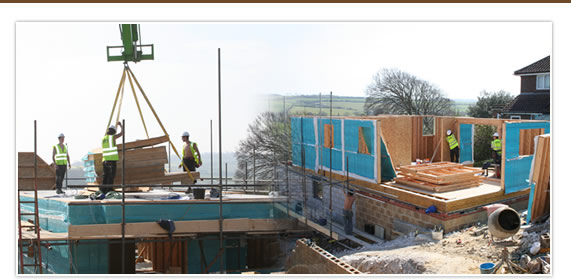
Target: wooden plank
x=199, y=226
x=144, y=143
x=541, y=177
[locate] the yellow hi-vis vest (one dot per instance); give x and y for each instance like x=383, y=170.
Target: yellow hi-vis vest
x=109, y=149
x=497, y=146
x=61, y=155
x=192, y=151
x=452, y=141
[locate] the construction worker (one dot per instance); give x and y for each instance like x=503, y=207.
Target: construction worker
x=110, y=156
x=348, y=212
x=496, y=145
x=190, y=156
x=453, y=144
x=61, y=160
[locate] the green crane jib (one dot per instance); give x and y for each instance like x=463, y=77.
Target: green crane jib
x=132, y=49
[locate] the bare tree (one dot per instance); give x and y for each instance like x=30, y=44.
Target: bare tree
x=396, y=92
x=270, y=136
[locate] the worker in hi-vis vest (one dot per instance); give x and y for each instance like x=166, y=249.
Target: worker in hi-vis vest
x=61, y=160
x=190, y=155
x=453, y=144
x=497, y=148
x=110, y=156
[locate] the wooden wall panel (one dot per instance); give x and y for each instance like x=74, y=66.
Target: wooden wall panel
x=397, y=132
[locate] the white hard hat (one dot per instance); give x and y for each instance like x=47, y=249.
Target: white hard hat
x=185, y=134
x=496, y=135
x=448, y=132
x=60, y=135
x=112, y=127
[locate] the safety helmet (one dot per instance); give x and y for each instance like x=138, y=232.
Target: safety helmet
x=496, y=135
x=60, y=135
x=448, y=132
x=111, y=130
x=185, y=134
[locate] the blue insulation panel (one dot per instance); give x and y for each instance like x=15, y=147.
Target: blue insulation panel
x=234, y=255
x=310, y=155
x=466, y=142
x=308, y=131
x=296, y=154
x=517, y=167
x=387, y=170
x=337, y=159
x=295, y=130
x=352, y=135
x=361, y=164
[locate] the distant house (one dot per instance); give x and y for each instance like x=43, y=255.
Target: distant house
x=534, y=99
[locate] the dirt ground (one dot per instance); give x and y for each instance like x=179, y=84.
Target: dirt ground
x=459, y=252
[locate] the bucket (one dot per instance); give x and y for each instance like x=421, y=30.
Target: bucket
x=198, y=193
x=487, y=268
x=437, y=235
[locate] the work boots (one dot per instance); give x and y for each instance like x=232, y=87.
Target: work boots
x=59, y=191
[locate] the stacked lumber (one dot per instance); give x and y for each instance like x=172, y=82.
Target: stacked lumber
x=46, y=174
x=144, y=164
x=439, y=177
x=540, y=176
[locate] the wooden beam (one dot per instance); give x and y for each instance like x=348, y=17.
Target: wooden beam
x=144, y=143
x=200, y=226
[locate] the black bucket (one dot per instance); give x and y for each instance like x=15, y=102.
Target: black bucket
x=198, y=193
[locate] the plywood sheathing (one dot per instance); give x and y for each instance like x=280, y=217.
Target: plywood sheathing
x=422, y=145
x=526, y=140
x=397, y=134
x=541, y=177
x=46, y=174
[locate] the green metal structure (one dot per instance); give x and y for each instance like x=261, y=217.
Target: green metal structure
x=132, y=49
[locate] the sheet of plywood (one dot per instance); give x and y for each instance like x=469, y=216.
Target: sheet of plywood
x=397, y=134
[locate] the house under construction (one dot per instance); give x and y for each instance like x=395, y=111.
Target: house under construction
x=373, y=156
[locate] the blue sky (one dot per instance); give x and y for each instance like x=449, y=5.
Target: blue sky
x=64, y=81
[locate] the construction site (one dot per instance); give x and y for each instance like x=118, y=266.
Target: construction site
x=415, y=210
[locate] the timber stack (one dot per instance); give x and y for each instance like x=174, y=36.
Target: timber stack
x=144, y=162
x=439, y=177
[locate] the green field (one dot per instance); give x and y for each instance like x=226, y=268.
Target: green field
x=342, y=105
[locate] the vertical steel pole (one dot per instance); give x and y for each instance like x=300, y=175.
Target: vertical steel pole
x=36, y=210
x=169, y=158
x=211, y=157
x=220, y=159
x=287, y=188
x=254, y=170
x=123, y=201
x=330, y=164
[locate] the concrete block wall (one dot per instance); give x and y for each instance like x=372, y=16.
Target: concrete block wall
x=316, y=208
x=312, y=259
x=383, y=212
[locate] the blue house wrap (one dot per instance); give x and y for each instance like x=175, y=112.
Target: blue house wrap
x=517, y=166
x=345, y=146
